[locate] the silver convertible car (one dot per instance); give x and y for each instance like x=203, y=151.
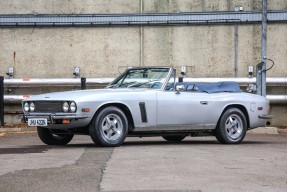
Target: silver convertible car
x=147, y=101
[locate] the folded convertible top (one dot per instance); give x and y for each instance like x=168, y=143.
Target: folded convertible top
x=223, y=86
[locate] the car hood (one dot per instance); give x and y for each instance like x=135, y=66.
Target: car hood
x=80, y=94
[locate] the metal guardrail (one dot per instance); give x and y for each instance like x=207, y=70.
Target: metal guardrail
x=27, y=82
x=277, y=99
x=272, y=81
x=37, y=82
x=139, y=19
x=245, y=81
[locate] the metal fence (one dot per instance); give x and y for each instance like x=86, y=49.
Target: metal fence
x=139, y=19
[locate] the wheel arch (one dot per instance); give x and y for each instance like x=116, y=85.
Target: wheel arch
x=240, y=107
x=122, y=107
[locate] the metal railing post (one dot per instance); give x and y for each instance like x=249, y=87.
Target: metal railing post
x=259, y=78
x=83, y=83
x=2, y=100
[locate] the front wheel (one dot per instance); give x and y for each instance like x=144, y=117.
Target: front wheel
x=232, y=127
x=109, y=128
x=50, y=138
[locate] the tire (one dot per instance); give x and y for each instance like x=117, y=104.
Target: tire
x=232, y=127
x=109, y=128
x=49, y=138
x=174, y=138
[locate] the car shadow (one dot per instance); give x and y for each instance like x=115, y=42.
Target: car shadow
x=163, y=142
x=157, y=142
x=190, y=142
x=129, y=143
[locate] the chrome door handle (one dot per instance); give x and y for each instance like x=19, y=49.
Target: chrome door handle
x=204, y=102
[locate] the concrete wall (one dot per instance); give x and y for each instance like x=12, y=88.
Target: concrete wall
x=208, y=51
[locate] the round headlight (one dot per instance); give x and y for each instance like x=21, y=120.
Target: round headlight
x=65, y=106
x=73, y=107
x=26, y=107
x=32, y=106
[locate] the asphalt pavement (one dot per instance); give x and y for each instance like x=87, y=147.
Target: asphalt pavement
x=144, y=164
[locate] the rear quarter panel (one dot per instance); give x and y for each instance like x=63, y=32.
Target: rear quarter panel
x=251, y=102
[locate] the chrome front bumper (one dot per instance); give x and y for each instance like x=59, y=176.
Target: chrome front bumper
x=51, y=118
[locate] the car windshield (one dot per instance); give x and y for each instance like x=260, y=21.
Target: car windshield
x=152, y=78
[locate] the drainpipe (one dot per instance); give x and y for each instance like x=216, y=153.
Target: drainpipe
x=237, y=9
x=264, y=54
x=2, y=100
x=235, y=50
x=141, y=37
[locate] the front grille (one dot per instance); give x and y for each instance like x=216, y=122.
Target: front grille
x=48, y=106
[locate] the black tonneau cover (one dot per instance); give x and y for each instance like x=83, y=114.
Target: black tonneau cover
x=223, y=86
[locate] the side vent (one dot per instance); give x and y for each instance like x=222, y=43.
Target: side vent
x=143, y=112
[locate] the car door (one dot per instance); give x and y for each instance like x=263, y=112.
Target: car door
x=187, y=109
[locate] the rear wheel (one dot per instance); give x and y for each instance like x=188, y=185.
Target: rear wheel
x=232, y=127
x=109, y=128
x=174, y=138
x=50, y=138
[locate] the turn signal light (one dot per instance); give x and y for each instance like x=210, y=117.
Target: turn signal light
x=66, y=121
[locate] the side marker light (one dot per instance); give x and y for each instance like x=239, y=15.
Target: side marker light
x=86, y=110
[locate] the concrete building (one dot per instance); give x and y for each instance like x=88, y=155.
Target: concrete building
x=207, y=50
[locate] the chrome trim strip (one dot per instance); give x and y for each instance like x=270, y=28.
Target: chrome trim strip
x=70, y=117
x=176, y=128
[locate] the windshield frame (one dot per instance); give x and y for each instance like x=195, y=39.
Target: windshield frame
x=121, y=78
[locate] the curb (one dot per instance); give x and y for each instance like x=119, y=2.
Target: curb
x=264, y=130
x=18, y=130
x=283, y=129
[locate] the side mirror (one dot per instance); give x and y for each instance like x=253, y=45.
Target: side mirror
x=179, y=88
